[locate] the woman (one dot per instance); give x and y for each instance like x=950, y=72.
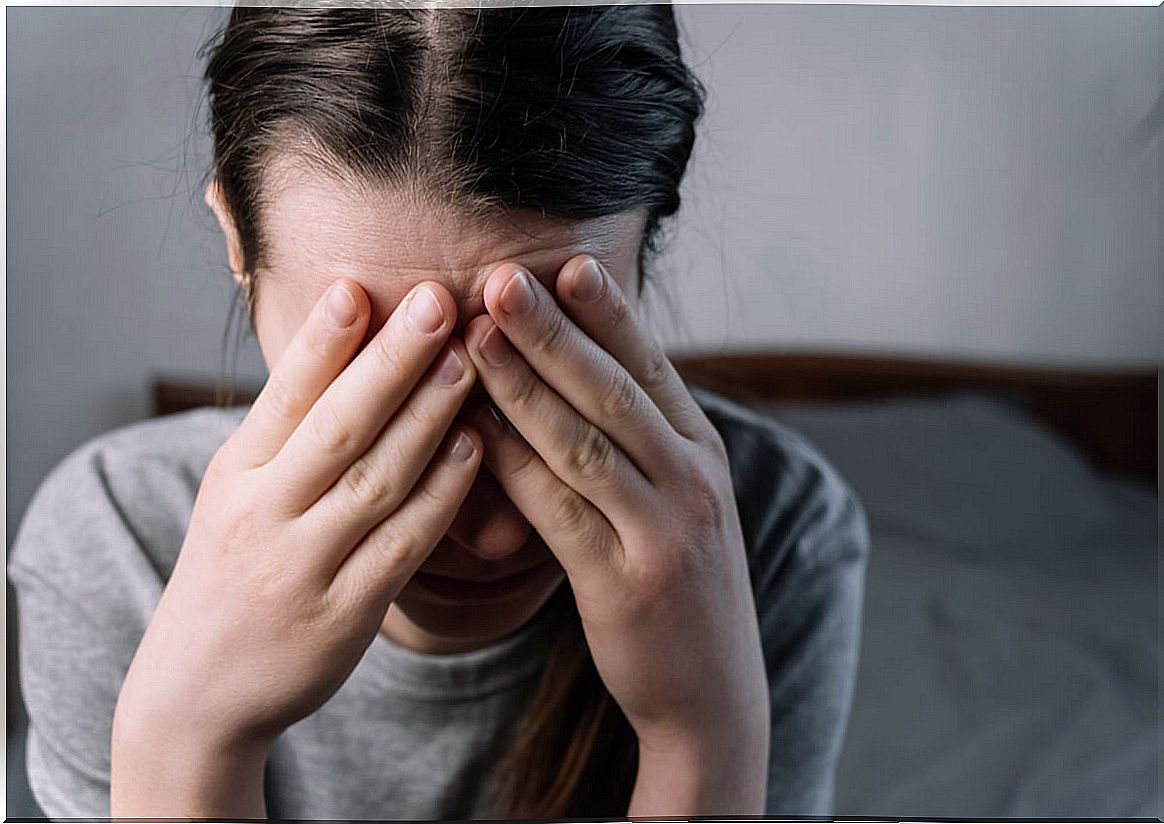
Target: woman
x=475, y=549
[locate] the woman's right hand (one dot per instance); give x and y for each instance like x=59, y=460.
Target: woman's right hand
x=309, y=520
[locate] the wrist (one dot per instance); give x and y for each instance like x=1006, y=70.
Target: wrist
x=724, y=775
x=164, y=769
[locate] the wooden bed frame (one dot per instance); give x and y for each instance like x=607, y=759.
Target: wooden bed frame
x=1111, y=415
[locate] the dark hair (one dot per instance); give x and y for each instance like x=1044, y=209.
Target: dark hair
x=574, y=112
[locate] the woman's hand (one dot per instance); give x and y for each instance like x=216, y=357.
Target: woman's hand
x=308, y=522
x=628, y=483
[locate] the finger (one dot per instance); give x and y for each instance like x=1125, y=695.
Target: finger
x=318, y=352
x=382, y=563
x=593, y=299
x=354, y=408
x=377, y=482
x=578, y=369
x=577, y=532
x=576, y=450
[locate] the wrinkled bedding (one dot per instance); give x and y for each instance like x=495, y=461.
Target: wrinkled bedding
x=1009, y=660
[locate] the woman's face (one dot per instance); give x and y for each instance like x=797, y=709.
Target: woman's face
x=491, y=572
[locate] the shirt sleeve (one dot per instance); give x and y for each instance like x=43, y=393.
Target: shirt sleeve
x=807, y=541
x=85, y=589
x=808, y=578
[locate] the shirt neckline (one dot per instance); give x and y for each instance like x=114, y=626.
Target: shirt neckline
x=464, y=675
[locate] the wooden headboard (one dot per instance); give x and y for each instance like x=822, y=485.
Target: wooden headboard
x=1110, y=415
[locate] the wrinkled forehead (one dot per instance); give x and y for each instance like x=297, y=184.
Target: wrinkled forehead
x=317, y=228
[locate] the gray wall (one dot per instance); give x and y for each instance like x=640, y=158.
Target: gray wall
x=951, y=181
x=114, y=270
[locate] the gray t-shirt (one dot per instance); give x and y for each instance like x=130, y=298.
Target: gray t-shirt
x=408, y=735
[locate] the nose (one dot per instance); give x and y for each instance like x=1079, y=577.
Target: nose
x=489, y=525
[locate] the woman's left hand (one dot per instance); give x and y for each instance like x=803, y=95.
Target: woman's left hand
x=627, y=482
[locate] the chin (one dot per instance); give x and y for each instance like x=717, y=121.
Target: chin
x=464, y=613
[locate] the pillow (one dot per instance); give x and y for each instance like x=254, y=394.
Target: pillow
x=973, y=473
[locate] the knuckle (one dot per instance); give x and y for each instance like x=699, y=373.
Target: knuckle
x=221, y=467
x=656, y=578
x=331, y=433
x=552, y=335
x=242, y=520
x=367, y=483
x=316, y=341
x=348, y=595
x=423, y=412
x=397, y=542
x=282, y=399
x=389, y=359
x=621, y=398
x=617, y=312
x=429, y=494
x=657, y=369
x=715, y=443
x=523, y=464
x=289, y=593
x=704, y=502
x=393, y=545
x=524, y=391
x=571, y=511
x=591, y=457
x=658, y=575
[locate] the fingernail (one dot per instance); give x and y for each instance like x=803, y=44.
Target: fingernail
x=341, y=306
x=462, y=447
x=450, y=369
x=517, y=297
x=424, y=311
x=588, y=281
x=495, y=348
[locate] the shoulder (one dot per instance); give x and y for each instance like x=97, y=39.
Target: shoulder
x=88, y=564
x=137, y=482
x=181, y=439
x=793, y=504
x=143, y=458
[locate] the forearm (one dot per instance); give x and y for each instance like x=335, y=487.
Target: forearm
x=155, y=773
x=726, y=777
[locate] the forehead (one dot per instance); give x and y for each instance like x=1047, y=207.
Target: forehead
x=318, y=228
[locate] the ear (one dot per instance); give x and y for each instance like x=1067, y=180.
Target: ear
x=217, y=203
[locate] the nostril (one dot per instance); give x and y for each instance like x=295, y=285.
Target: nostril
x=489, y=525
x=501, y=537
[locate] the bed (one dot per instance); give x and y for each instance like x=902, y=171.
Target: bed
x=1010, y=646
x=1009, y=654
x=1009, y=651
